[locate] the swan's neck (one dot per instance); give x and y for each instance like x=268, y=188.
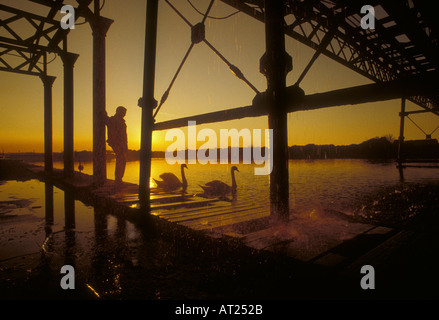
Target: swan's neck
x=233, y=181
x=183, y=178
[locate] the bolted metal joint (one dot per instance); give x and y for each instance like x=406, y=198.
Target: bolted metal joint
x=142, y=103
x=198, y=33
x=263, y=63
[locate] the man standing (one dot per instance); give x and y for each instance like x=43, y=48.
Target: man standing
x=118, y=141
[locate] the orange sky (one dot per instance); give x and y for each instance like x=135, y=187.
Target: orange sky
x=205, y=83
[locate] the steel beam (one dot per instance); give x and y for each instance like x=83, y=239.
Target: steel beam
x=297, y=101
x=69, y=60
x=148, y=104
x=100, y=26
x=400, y=158
x=376, y=54
x=276, y=99
x=48, y=158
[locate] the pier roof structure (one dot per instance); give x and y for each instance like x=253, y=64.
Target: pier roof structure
x=403, y=43
x=32, y=34
x=30, y=31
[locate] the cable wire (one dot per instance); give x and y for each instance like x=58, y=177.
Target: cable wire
x=211, y=17
x=416, y=125
x=235, y=70
x=434, y=131
x=20, y=56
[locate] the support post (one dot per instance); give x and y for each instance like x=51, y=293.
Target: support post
x=148, y=103
x=48, y=131
x=276, y=60
x=69, y=60
x=99, y=26
x=401, y=141
x=401, y=134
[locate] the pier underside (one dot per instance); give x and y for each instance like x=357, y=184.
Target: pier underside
x=400, y=57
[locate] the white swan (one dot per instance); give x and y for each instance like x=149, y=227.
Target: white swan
x=219, y=188
x=170, y=182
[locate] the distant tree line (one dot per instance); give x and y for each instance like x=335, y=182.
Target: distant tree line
x=376, y=148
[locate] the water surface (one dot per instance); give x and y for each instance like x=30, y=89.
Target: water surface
x=115, y=259
x=339, y=184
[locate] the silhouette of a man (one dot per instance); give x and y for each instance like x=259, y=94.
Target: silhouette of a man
x=118, y=141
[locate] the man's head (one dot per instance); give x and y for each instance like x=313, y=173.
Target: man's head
x=121, y=111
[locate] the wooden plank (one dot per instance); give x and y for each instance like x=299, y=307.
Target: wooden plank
x=220, y=221
x=247, y=214
x=216, y=205
x=266, y=238
x=221, y=209
x=157, y=198
x=182, y=204
x=415, y=166
x=204, y=215
x=259, y=235
x=226, y=222
x=171, y=198
x=165, y=213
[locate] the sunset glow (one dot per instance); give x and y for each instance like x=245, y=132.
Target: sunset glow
x=205, y=84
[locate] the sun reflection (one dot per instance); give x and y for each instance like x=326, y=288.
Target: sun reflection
x=113, y=279
x=93, y=290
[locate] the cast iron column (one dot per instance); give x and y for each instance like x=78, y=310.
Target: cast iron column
x=69, y=60
x=276, y=60
x=148, y=103
x=100, y=26
x=48, y=158
x=401, y=140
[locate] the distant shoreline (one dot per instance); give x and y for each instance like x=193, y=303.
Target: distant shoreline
x=376, y=148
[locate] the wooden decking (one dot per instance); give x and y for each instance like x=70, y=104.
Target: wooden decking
x=309, y=237
x=197, y=212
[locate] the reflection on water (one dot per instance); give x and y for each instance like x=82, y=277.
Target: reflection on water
x=52, y=229
x=115, y=259
x=314, y=184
